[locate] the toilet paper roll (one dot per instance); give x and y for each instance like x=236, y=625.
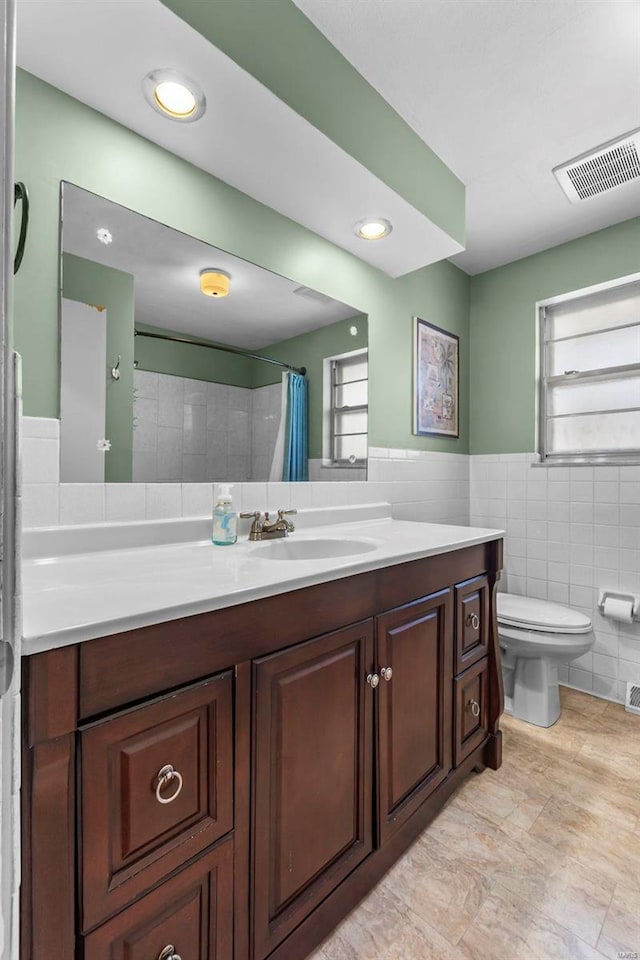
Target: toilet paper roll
x=618, y=609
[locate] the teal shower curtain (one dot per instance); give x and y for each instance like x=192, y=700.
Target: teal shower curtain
x=296, y=448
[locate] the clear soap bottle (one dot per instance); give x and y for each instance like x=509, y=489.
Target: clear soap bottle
x=225, y=518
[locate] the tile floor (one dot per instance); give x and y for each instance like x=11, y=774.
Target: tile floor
x=538, y=861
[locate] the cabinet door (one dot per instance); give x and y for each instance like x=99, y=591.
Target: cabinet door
x=414, y=719
x=312, y=802
x=191, y=913
x=472, y=622
x=157, y=788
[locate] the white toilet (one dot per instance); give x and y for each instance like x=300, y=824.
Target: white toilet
x=535, y=636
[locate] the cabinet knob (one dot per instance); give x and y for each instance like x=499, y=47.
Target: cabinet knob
x=373, y=680
x=473, y=620
x=475, y=707
x=165, y=776
x=386, y=673
x=169, y=953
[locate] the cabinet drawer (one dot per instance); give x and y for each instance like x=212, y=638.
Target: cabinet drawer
x=192, y=912
x=157, y=788
x=471, y=701
x=472, y=622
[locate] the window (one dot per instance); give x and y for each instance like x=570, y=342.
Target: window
x=590, y=375
x=346, y=388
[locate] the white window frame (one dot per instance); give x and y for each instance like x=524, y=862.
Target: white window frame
x=328, y=459
x=587, y=458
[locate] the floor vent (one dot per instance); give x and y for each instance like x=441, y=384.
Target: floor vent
x=611, y=165
x=632, y=699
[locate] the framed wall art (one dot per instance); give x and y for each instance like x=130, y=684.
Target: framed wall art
x=435, y=381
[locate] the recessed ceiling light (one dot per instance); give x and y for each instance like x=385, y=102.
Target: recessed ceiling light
x=174, y=95
x=373, y=228
x=214, y=283
x=104, y=235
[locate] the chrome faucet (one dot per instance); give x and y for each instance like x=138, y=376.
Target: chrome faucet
x=264, y=528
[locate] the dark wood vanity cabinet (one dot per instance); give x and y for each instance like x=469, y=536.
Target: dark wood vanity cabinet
x=312, y=783
x=414, y=663
x=156, y=790
x=240, y=812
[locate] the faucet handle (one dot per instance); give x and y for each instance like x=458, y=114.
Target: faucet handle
x=284, y=513
x=254, y=515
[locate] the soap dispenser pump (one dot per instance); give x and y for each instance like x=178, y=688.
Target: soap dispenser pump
x=225, y=518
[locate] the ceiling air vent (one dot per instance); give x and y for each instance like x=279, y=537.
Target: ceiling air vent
x=610, y=165
x=311, y=294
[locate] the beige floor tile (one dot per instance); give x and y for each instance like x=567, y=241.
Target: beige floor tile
x=384, y=928
x=603, y=846
x=438, y=884
x=576, y=700
x=539, y=860
x=507, y=929
x=621, y=930
x=516, y=800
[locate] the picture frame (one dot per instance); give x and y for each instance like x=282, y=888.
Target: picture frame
x=436, y=381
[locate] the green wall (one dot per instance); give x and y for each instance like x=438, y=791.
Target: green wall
x=98, y=285
x=58, y=138
x=316, y=81
x=310, y=350
x=503, y=329
x=190, y=360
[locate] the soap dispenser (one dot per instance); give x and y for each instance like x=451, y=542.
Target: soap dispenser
x=225, y=518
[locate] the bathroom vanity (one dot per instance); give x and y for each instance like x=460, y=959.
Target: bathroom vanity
x=230, y=783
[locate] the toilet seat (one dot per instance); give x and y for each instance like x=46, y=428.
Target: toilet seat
x=541, y=616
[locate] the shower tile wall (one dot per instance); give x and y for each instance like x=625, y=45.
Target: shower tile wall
x=188, y=430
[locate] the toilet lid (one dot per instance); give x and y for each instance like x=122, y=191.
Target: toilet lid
x=526, y=612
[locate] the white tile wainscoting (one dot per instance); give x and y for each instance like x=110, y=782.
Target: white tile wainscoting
x=419, y=485
x=569, y=532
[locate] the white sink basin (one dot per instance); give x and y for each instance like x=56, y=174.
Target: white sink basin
x=292, y=549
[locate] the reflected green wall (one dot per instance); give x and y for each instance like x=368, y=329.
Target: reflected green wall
x=102, y=286
x=503, y=329
x=190, y=360
x=310, y=351
x=58, y=138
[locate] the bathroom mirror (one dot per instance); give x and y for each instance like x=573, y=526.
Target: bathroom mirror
x=183, y=363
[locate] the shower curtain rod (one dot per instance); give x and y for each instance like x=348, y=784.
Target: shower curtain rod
x=213, y=346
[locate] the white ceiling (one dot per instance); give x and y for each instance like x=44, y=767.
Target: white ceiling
x=261, y=308
x=99, y=51
x=503, y=91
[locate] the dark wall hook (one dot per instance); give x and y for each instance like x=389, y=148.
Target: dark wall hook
x=20, y=193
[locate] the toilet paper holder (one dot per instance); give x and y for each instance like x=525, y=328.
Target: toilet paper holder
x=631, y=598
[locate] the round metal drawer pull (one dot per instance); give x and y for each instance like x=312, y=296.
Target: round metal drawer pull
x=165, y=776
x=386, y=673
x=475, y=707
x=373, y=680
x=169, y=953
x=473, y=620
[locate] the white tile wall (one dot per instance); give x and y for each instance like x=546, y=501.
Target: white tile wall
x=419, y=485
x=570, y=531
x=191, y=431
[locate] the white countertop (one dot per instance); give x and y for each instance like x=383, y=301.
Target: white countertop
x=76, y=597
